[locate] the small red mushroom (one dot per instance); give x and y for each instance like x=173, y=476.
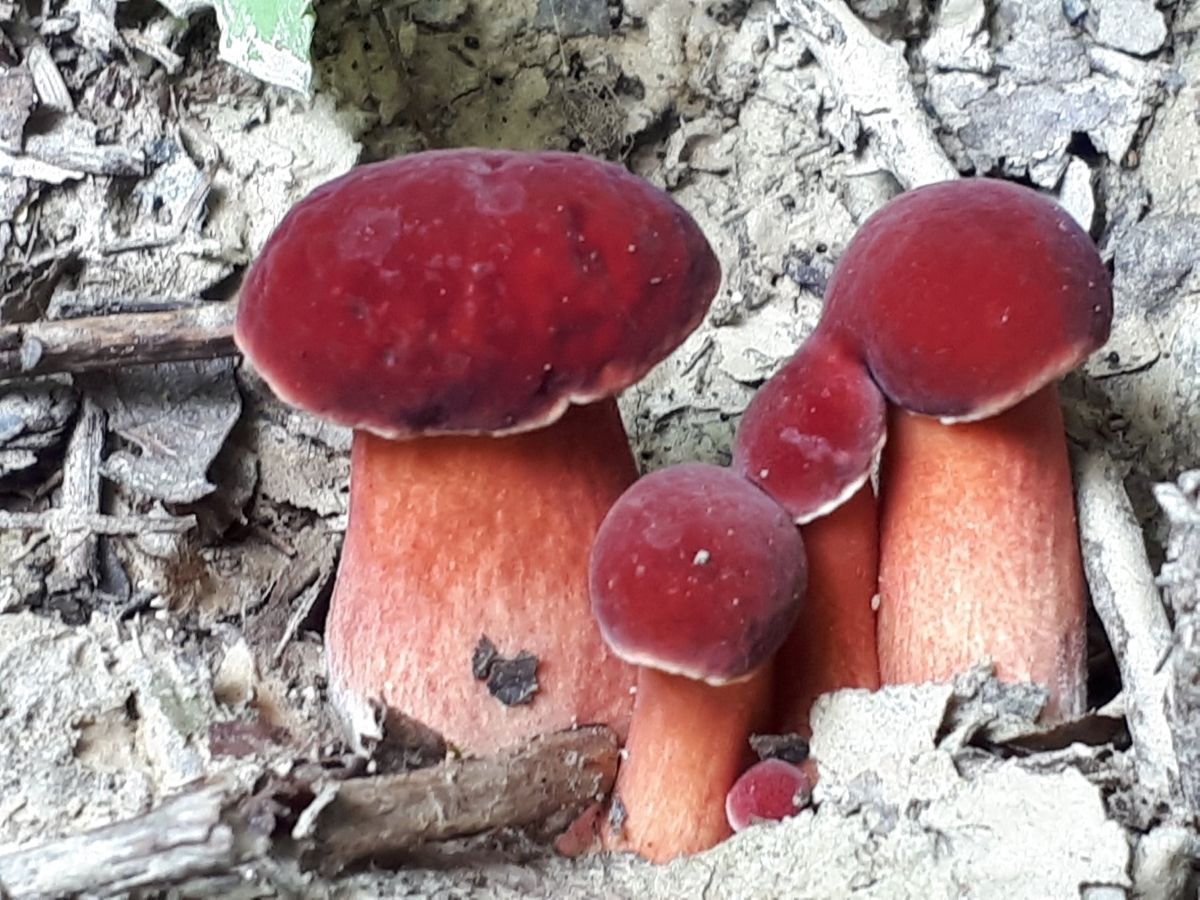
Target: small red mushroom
x=967, y=300
x=769, y=790
x=696, y=577
x=812, y=433
x=810, y=438
x=451, y=306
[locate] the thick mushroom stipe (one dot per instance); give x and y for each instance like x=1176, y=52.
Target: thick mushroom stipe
x=687, y=745
x=833, y=647
x=454, y=538
x=768, y=791
x=980, y=559
x=967, y=300
x=696, y=576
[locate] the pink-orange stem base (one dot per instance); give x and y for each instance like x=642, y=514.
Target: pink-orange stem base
x=979, y=552
x=832, y=645
x=688, y=744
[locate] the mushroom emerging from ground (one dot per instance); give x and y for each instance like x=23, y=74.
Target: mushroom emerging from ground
x=696, y=577
x=968, y=300
x=451, y=306
x=768, y=791
x=810, y=438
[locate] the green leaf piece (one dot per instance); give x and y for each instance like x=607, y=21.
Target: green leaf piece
x=270, y=39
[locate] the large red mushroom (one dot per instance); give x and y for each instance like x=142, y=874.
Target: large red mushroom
x=451, y=307
x=696, y=577
x=967, y=300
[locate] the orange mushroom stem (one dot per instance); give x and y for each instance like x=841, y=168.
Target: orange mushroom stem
x=981, y=517
x=409, y=608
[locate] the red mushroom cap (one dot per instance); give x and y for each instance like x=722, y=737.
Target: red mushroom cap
x=471, y=291
x=769, y=790
x=968, y=296
x=697, y=572
x=812, y=433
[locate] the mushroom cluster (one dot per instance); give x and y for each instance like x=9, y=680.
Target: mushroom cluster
x=472, y=314
x=962, y=303
x=947, y=321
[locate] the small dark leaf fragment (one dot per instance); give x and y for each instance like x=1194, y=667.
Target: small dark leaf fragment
x=511, y=680
x=482, y=658
x=407, y=744
x=514, y=681
x=790, y=748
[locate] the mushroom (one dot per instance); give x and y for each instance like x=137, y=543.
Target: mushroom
x=696, y=577
x=967, y=301
x=769, y=790
x=810, y=438
x=451, y=306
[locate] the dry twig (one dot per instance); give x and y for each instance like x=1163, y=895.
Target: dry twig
x=189, y=836
x=380, y=816
x=80, y=495
x=1129, y=605
x=64, y=521
x=219, y=828
x=1180, y=580
x=128, y=339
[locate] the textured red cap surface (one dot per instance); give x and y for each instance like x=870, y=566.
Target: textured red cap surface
x=969, y=296
x=470, y=291
x=812, y=433
x=697, y=572
x=769, y=790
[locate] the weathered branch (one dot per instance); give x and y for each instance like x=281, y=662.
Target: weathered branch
x=63, y=521
x=1180, y=580
x=219, y=828
x=189, y=836
x=125, y=339
x=1129, y=605
x=874, y=80
x=76, y=565
x=378, y=816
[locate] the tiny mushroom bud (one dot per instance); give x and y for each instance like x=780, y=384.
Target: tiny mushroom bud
x=768, y=791
x=968, y=300
x=451, y=306
x=810, y=438
x=696, y=577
